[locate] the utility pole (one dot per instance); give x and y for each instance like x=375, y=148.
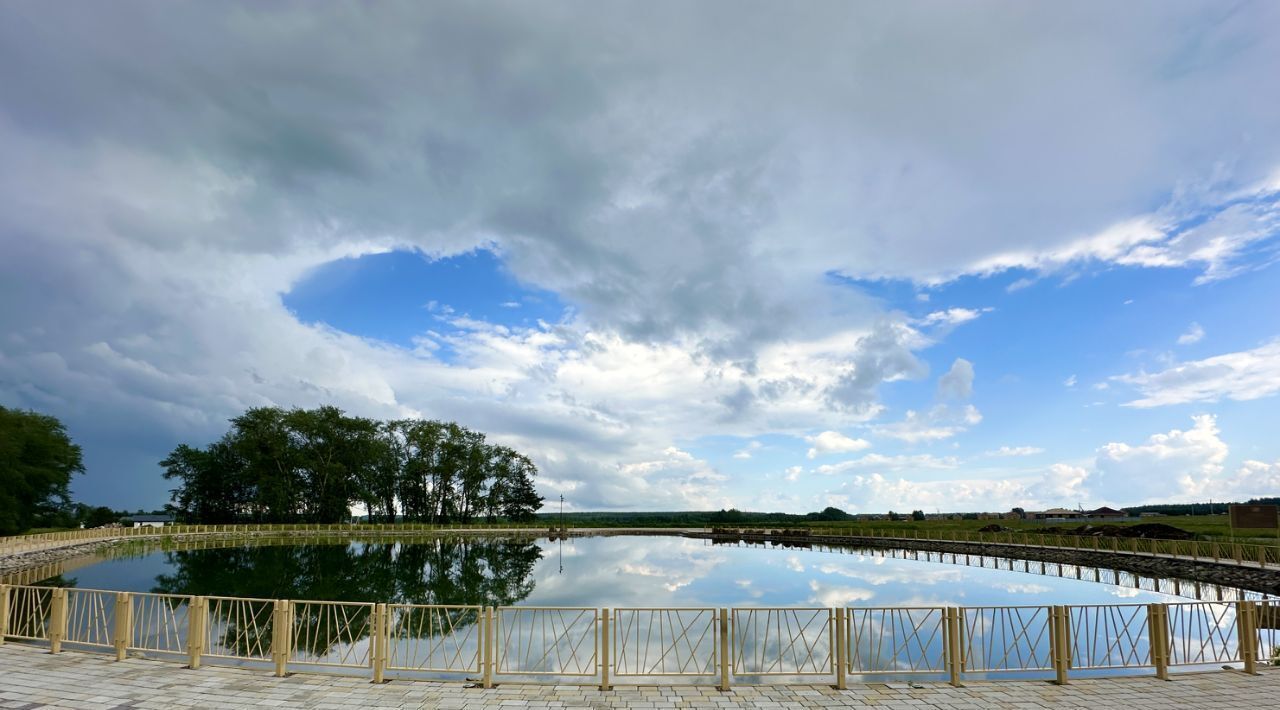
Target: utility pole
x=562, y=513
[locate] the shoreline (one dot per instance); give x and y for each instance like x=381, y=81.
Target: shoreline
x=1224, y=573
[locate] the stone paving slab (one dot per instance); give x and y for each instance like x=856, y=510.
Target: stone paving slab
x=33, y=678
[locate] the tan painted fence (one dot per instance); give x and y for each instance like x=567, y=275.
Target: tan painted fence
x=21, y=544
x=1207, y=550
x=664, y=645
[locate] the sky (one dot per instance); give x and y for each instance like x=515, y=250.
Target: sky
x=687, y=256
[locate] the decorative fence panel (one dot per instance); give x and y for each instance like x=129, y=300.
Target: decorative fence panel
x=442, y=639
x=28, y=613
x=240, y=628
x=783, y=641
x=665, y=642
x=1203, y=633
x=1268, y=616
x=896, y=640
x=547, y=641
x=1010, y=638
x=91, y=617
x=331, y=633
x=1111, y=636
x=161, y=623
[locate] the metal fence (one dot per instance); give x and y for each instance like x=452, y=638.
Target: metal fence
x=1251, y=554
x=595, y=646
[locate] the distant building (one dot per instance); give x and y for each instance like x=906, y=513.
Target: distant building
x=1105, y=512
x=151, y=521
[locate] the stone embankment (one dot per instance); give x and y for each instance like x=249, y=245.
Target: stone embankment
x=37, y=558
x=1225, y=573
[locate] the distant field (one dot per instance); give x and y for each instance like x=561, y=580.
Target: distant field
x=1211, y=526
x=1208, y=526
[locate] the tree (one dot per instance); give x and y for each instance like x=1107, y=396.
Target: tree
x=917, y=515
x=37, y=460
x=313, y=464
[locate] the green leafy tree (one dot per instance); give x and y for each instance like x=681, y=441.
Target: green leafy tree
x=313, y=464
x=37, y=461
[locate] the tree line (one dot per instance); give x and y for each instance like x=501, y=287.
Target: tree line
x=312, y=465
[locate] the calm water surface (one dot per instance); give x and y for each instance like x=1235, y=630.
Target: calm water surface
x=620, y=571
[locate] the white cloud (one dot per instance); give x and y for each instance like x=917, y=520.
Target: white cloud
x=958, y=381
x=1069, y=382
x=953, y=316
x=877, y=492
x=1005, y=451
x=793, y=473
x=1193, y=335
x=746, y=451
x=940, y=422
x=1254, y=479
x=828, y=595
x=696, y=248
x=1181, y=465
x=833, y=442
x=1244, y=375
x=880, y=462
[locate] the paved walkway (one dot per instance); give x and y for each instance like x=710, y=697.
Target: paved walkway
x=32, y=678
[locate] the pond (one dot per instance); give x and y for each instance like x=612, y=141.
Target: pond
x=606, y=571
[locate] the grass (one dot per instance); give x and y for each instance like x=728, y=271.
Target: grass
x=1207, y=526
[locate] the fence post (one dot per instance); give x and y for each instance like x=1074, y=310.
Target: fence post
x=724, y=648
x=1158, y=638
x=604, y=649
x=842, y=649
x=122, y=634
x=381, y=642
x=487, y=645
x=952, y=645
x=197, y=618
x=57, y=619
x=1247, y=633
x=4, y=612
x=1059, y=643
x=282, y=637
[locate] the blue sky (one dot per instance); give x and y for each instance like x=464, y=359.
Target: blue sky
x=686, y=257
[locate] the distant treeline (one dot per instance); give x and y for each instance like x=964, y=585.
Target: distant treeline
x=312, y=465
x=1194, y=508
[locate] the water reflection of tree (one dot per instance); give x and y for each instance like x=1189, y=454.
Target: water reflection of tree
x=466, y=571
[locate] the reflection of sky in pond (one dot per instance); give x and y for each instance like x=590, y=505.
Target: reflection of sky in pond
x=1004, y=624
x=617, y=571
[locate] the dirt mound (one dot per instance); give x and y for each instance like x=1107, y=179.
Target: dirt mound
x=1143, y=530
x=1156, y=530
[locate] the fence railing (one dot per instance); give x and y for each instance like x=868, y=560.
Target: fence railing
x=1251, y=554
x=21, y=544
x=588, y=645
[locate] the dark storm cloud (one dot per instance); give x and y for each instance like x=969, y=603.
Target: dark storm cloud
x=685, y=175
